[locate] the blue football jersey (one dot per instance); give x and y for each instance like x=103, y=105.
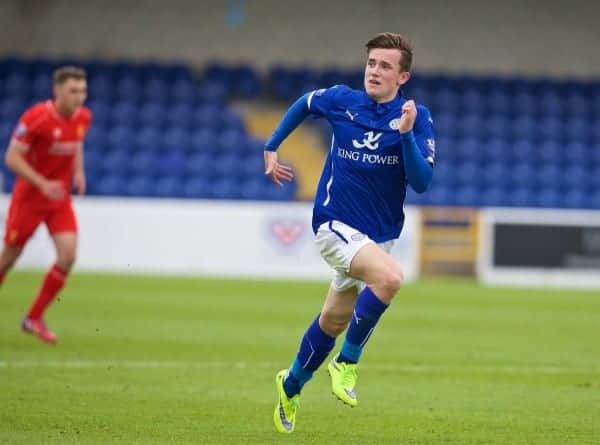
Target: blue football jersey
x=363, y=183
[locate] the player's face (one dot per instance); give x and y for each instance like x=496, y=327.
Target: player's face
x=383, y=75
x=70, y=95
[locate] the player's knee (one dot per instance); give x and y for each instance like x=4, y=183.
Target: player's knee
x=333, y=324
x=66, y=260
x=392, y=282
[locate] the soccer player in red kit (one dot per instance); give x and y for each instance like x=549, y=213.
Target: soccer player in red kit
x=46, y=154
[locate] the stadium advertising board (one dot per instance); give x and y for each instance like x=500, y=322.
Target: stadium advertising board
x=540, y=247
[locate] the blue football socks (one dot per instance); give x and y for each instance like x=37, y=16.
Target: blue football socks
x=314, y=349
x=367, y=311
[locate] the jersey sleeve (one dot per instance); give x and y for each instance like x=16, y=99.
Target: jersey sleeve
x=321, y=102
x=27, y=128
x=424, y=134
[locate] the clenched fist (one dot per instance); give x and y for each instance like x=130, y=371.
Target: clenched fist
x=409, y=115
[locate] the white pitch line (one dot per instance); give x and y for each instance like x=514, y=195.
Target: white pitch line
x=133, y=364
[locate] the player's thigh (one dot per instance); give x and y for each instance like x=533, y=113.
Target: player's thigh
x=62, y=226
x=21, y=223
x=372, y=264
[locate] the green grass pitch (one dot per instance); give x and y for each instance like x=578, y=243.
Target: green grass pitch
x=149, y=360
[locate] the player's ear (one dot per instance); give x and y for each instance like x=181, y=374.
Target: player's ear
x=403, y=78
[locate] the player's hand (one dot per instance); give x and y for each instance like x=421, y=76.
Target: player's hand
x=276, y=171
x=409, y=115
x=53, y=190
x=79, y=183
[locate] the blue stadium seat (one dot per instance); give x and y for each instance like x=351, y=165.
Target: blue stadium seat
x=148, y=138
x=253, y=165
x=286, y=193
x=225, y=188
x=574, y=198
x=100, y=87
x=213, y=92
x=522, y=150
x=593, y=200
x=496, y=151
x=549, y=198
x=197, y=188
x=121, y=137
x=550, y=127
x=116, y=162
x=169, y=187
x=200, y=165
x=128, y=88
x=140, y=185
x=226, y=165
x=143, y=163
x=151, y=114
x=175, y=139
x=155, y=90
x=170, y=164
x=493, y=196
x=183, y=91
x=467, y=173
x=440, y=196
x=254, y=188
x=444, y=174
x=41, y=86
x=576, y=176
x=123, y=113
x=180, y=114
x=231, y=141
x=549, y=175
x=499, y=101
x=101, y=111
x=111, y=185
x=523, y=175
x=520, y=197
x=467, y=196
x=247, y=82
x=204, y=140
x=473, y=101
x=576, y=152
x=208, y=116
x=495, y=175
x=548, y=151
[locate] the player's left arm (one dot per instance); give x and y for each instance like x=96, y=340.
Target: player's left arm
x=416, y=132
x=79, y=181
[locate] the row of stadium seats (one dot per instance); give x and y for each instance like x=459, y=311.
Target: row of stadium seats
x=161, y=121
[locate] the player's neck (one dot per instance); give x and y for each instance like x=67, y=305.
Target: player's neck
x=386, y=99
x=62, y=110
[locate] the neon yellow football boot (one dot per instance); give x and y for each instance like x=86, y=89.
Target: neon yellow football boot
x=284, y=416
x=343, y=381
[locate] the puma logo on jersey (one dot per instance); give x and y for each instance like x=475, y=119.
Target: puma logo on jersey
x=370, y=141
x=350, y=115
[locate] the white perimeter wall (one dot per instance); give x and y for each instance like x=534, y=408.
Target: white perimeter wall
x=262, y=240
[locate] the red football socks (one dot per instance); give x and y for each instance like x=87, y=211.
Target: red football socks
x=53, y=283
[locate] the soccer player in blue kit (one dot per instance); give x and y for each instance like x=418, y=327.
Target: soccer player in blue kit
x=381, y=143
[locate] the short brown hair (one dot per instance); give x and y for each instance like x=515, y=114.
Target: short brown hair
x=390, y=40
x=64, y=73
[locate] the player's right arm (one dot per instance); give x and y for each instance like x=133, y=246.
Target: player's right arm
x=290, y=121
x=317, y=102
x=22, y=139
x=16, y=162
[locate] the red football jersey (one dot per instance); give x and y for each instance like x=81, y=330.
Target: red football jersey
x=52, y=141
